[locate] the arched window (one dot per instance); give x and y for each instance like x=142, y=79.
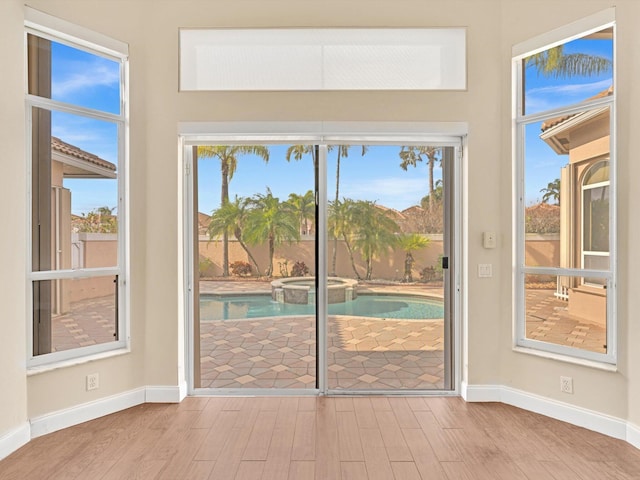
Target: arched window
x=595, y=220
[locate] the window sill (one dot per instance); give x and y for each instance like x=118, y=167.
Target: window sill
x=72, y=362
x=607, y=367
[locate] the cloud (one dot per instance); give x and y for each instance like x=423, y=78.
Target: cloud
x=392, y=192
x=545, y=98
x=572, y=89
x=79, y=77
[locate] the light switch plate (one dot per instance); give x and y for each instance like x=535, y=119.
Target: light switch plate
x=489, y=239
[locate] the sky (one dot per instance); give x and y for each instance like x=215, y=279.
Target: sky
x=376, y=177
x=92, y=81
x=542, y=164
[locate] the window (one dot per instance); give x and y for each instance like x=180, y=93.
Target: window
x=323, y=59
x=595, y=220
x=76, y=116
x=565, y=191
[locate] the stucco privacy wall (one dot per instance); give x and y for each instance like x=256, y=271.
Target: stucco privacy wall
x=151, y=29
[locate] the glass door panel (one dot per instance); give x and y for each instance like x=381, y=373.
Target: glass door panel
x=387, y=234
x=256, y=260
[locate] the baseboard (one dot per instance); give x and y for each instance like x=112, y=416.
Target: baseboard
x=13, y=440
x=582, y=417
x=166, y=394
x=68, y=417
x=633, y=434
x=481, y=393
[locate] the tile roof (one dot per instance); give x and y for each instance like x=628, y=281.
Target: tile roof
x=552, y=122
x=65, y=148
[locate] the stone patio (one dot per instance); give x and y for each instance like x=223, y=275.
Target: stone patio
x=364, y=353
x=548, y=320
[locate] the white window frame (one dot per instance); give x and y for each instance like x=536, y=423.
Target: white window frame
x=452, y=134
x=521, y=343
x=308, y=59
x=584, y=253
x=57, y=30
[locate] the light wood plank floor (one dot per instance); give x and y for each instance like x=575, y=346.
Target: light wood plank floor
x=324, y=438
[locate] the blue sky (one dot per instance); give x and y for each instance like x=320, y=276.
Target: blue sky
x=92, y=81
x=377, y=177
x=542, y=164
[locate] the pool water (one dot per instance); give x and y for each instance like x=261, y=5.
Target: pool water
x=402, y=307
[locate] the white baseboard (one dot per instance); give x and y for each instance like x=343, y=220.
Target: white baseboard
x=13, y=440
x=481, y=393
x=582, y=417
x=165, y=394
x=68, y=417
x=633, y=434
x=82, y=413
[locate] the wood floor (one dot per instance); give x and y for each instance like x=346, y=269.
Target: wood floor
x=324, y=438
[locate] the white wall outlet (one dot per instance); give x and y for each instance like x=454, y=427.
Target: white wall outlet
x=489, y=239
x=485, y=270
x=566, y=384
x=93, y=381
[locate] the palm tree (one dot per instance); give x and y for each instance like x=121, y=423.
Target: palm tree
x=555, y=63
x=270, y=221
x=304, y=207
x=343, y=151
x=230, y=218
x=409, y=243
x=375, y=232
x=340, y=224
x=228, y=156
x=551, y=192
x=298, y=151
x=411, y=155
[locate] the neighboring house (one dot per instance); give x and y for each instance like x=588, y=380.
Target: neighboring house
x=69, y=161
x=584, y=206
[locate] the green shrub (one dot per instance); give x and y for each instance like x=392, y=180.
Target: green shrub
x=205, y=267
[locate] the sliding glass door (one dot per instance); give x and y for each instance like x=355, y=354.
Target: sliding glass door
x=256, y=257
x=321, y=267
x=388, y=238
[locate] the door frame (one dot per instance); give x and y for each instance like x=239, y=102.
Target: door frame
x=324, y=133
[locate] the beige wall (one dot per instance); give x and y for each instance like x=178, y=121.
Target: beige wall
x=13, y=402
x=389, y=267
x=537, y=375
x=157, y=107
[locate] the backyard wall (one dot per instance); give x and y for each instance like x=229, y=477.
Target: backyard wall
x=541, y=250
x=390, y=267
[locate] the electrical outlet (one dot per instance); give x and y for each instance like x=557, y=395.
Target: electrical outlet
x=93, y=381
x=566, y=384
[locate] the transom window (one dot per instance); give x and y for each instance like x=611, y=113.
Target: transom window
x=565, y=187
x=323, y=59
x=76, y=105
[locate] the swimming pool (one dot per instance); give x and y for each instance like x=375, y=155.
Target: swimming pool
x=237, y=307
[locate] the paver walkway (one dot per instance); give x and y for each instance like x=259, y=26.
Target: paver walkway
x=364, y=353
x=548, y=320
